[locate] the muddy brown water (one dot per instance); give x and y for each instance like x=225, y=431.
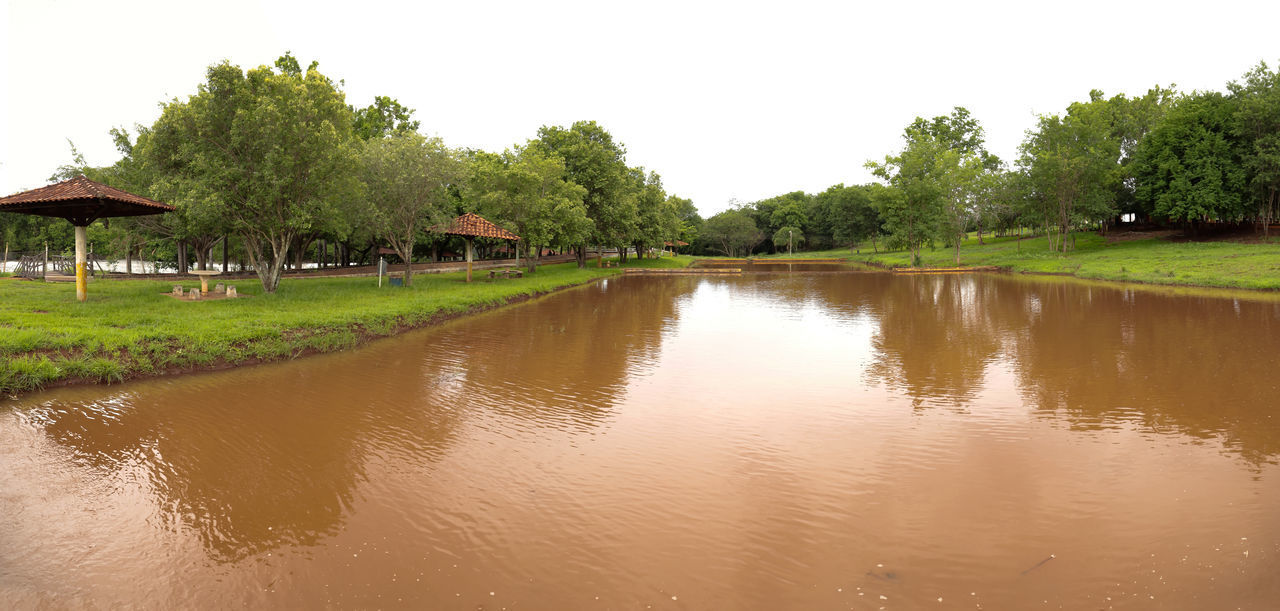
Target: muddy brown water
x=803, y=441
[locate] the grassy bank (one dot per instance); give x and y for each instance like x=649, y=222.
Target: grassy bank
x=131, y=328
x=1151, y=260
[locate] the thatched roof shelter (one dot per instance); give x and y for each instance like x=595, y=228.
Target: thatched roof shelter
x=81, y=201
x=471, y=226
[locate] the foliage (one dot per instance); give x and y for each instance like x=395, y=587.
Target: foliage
x=913, y=206
x=732, y=232
x=593, y=160
x=849, y=213
x=270, y=151
x=407, y=179
x=526, y=191
x=1258, y=126
x=1189, y=167
x=790, y=237
x=1069, y=161
x=384, y=117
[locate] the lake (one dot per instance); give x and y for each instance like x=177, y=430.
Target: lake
x=764, y=441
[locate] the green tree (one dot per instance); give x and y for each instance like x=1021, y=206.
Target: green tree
x=657, y=220
x=1189, y=168
x=850, y=215
x=527, y=192
x=593, y=160
x=960, y=175
x=732, y=231
x=271, y=151
x=1070, y=163
x=1258, y=126
x=384, y=117
x=407, y=179
x=690, y=222
x=912, y=208
x=789, y=237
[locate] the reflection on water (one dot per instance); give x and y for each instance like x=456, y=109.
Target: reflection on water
x=764, y=441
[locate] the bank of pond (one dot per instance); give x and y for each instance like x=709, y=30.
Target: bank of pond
x=128, y=329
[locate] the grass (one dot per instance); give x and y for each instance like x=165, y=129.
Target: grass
x=1154, y=261
x=130, y=328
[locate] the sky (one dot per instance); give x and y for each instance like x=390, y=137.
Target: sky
x=727, y=101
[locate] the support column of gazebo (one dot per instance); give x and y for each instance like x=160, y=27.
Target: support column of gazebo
x=81, y=201
x=470, y=226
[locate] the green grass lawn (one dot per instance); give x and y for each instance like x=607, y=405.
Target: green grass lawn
x=131, y=328
x=1154, y=261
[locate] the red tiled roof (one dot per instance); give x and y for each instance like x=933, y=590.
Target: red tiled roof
x=81, y=198
x=471, y=224
x=80, y=188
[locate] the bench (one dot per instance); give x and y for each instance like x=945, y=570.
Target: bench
x=506, y=273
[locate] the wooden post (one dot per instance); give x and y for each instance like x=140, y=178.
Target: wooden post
x=5, y=265
x=44, y=267
x=468, y=259
x=82, y=289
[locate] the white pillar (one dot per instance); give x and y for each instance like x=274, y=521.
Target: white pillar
x=468, y=259
x=82, y=236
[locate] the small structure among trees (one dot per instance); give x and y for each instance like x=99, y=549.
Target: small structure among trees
x=471, y=226
x=81, y=201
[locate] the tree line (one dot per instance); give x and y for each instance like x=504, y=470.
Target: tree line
x=1190, y=159
x=271, y=162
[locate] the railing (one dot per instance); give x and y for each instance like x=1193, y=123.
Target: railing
x=33, y=265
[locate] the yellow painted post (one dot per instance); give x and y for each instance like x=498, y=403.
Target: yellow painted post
x=82, y=289
x=468, y=259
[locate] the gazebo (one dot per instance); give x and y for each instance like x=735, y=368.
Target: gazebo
x=81, y=201
x=471, y=226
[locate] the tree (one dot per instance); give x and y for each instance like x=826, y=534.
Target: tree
x=1258, y=126
x=850, y=215
x=912, y=208
x=657, y=220
x=690, y=222
x=732, y=231
x=407, y=177
x=1189, y=168
x=384, y=117
x=593, y=160
x=961, y=174
x=271, y=151
x=1070, y=164
x=526, y=191
x=790, y=236
x=774, y=213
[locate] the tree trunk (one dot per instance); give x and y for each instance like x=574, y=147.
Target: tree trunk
x=269, y=267
x=182, y=257
x=599, y=256
x=408, y=264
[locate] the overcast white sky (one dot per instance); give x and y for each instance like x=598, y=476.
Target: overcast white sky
x=726, y=100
